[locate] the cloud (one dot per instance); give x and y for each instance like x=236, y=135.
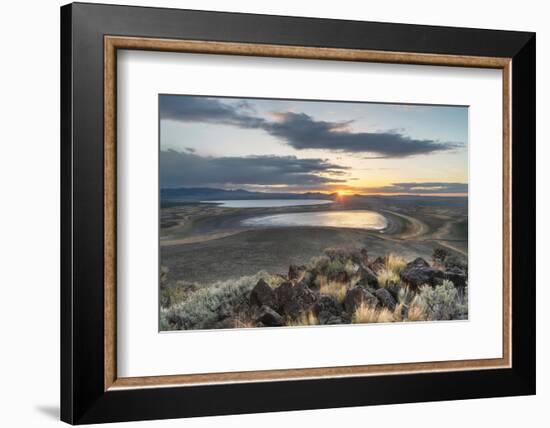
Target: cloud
x=188, y=169
x=299, y=130
x=186, y=108
x=419, y=188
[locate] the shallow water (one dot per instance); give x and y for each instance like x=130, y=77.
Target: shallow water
x=357, y=219
x=267, y=203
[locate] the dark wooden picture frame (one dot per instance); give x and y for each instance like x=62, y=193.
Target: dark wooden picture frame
x=90, y=37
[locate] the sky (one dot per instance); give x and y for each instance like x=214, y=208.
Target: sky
x=272, y=145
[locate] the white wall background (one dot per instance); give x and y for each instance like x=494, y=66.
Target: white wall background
x=29, y=215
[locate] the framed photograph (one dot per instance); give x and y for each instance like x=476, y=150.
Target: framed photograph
x=266, y=213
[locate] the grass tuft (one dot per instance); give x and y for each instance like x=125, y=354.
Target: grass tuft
x=366, y=314
x=307, y=318
x=393, y=265
x=334, y=289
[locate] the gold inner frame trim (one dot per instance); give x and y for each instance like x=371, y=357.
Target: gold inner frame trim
x=113, y=43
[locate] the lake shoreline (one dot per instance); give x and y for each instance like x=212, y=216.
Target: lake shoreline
x=209, y=243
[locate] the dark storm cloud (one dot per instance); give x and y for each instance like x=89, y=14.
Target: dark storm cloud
x=188, y=169
x=420, y=188
x=200, y=109
x=300, y=130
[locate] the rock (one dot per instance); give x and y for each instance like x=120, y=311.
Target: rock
x=419, y=261
x=294, y=299
x=326, y=318
x=368, y=277
x=357, y=296
x=327, y=305
x=295, y=272
x=262, y=294
x=269, y=317
x=418, y=272
x=457, y=276
x=394, y=289
x=385, y=298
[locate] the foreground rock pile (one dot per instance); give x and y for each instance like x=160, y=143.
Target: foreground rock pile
x=301, y=294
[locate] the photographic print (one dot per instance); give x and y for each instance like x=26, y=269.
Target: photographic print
x=291, y=213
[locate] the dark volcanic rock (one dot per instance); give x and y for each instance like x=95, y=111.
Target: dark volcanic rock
x=385, y=298
x=368, y=277
x=296, y=271
x=418, y=272
x=294, y=299
x=457, y=276
x=419, y=261
x=327, y=304
x=394, y=289
x=326, y=318
x=269, y=317
x=262, y=294
x=356, y=296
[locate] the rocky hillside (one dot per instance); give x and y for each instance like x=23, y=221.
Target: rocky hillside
x=339, y=287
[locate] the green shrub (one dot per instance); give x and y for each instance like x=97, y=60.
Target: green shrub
x=171, y=294
x=442, y=302
x=202, y=308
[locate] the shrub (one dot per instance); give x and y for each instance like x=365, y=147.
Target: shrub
x=416, y=310
x=171, y=294
x=405, y=296
x=204, y=307
x=442, y=302
x=334, y=263
x=366, y=314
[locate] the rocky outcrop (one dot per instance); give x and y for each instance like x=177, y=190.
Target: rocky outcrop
x=368, y=277
x=357, y=296
x=312, y=294
x=419, y=272
x=268, y=317
x=457, y=276
x=262, y=294
x=327, y=309
x=294, y=299
x=295, y=272
x=394, y=289
x=385, y=298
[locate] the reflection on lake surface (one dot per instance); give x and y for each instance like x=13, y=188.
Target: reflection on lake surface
x=267, y=203
x=358, y=219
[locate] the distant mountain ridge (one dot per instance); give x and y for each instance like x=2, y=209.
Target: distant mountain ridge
x=211, y=194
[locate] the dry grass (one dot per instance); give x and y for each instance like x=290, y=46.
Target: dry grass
x=395, y=263
x=244, y=323
x=307, y=318
x=390, y=273
x=334, y=289
x=398, y=312
x=416, y=311
x=386, y=277
x=365, y=314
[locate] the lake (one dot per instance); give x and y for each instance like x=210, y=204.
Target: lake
x=357, y=219
x=267, y=203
